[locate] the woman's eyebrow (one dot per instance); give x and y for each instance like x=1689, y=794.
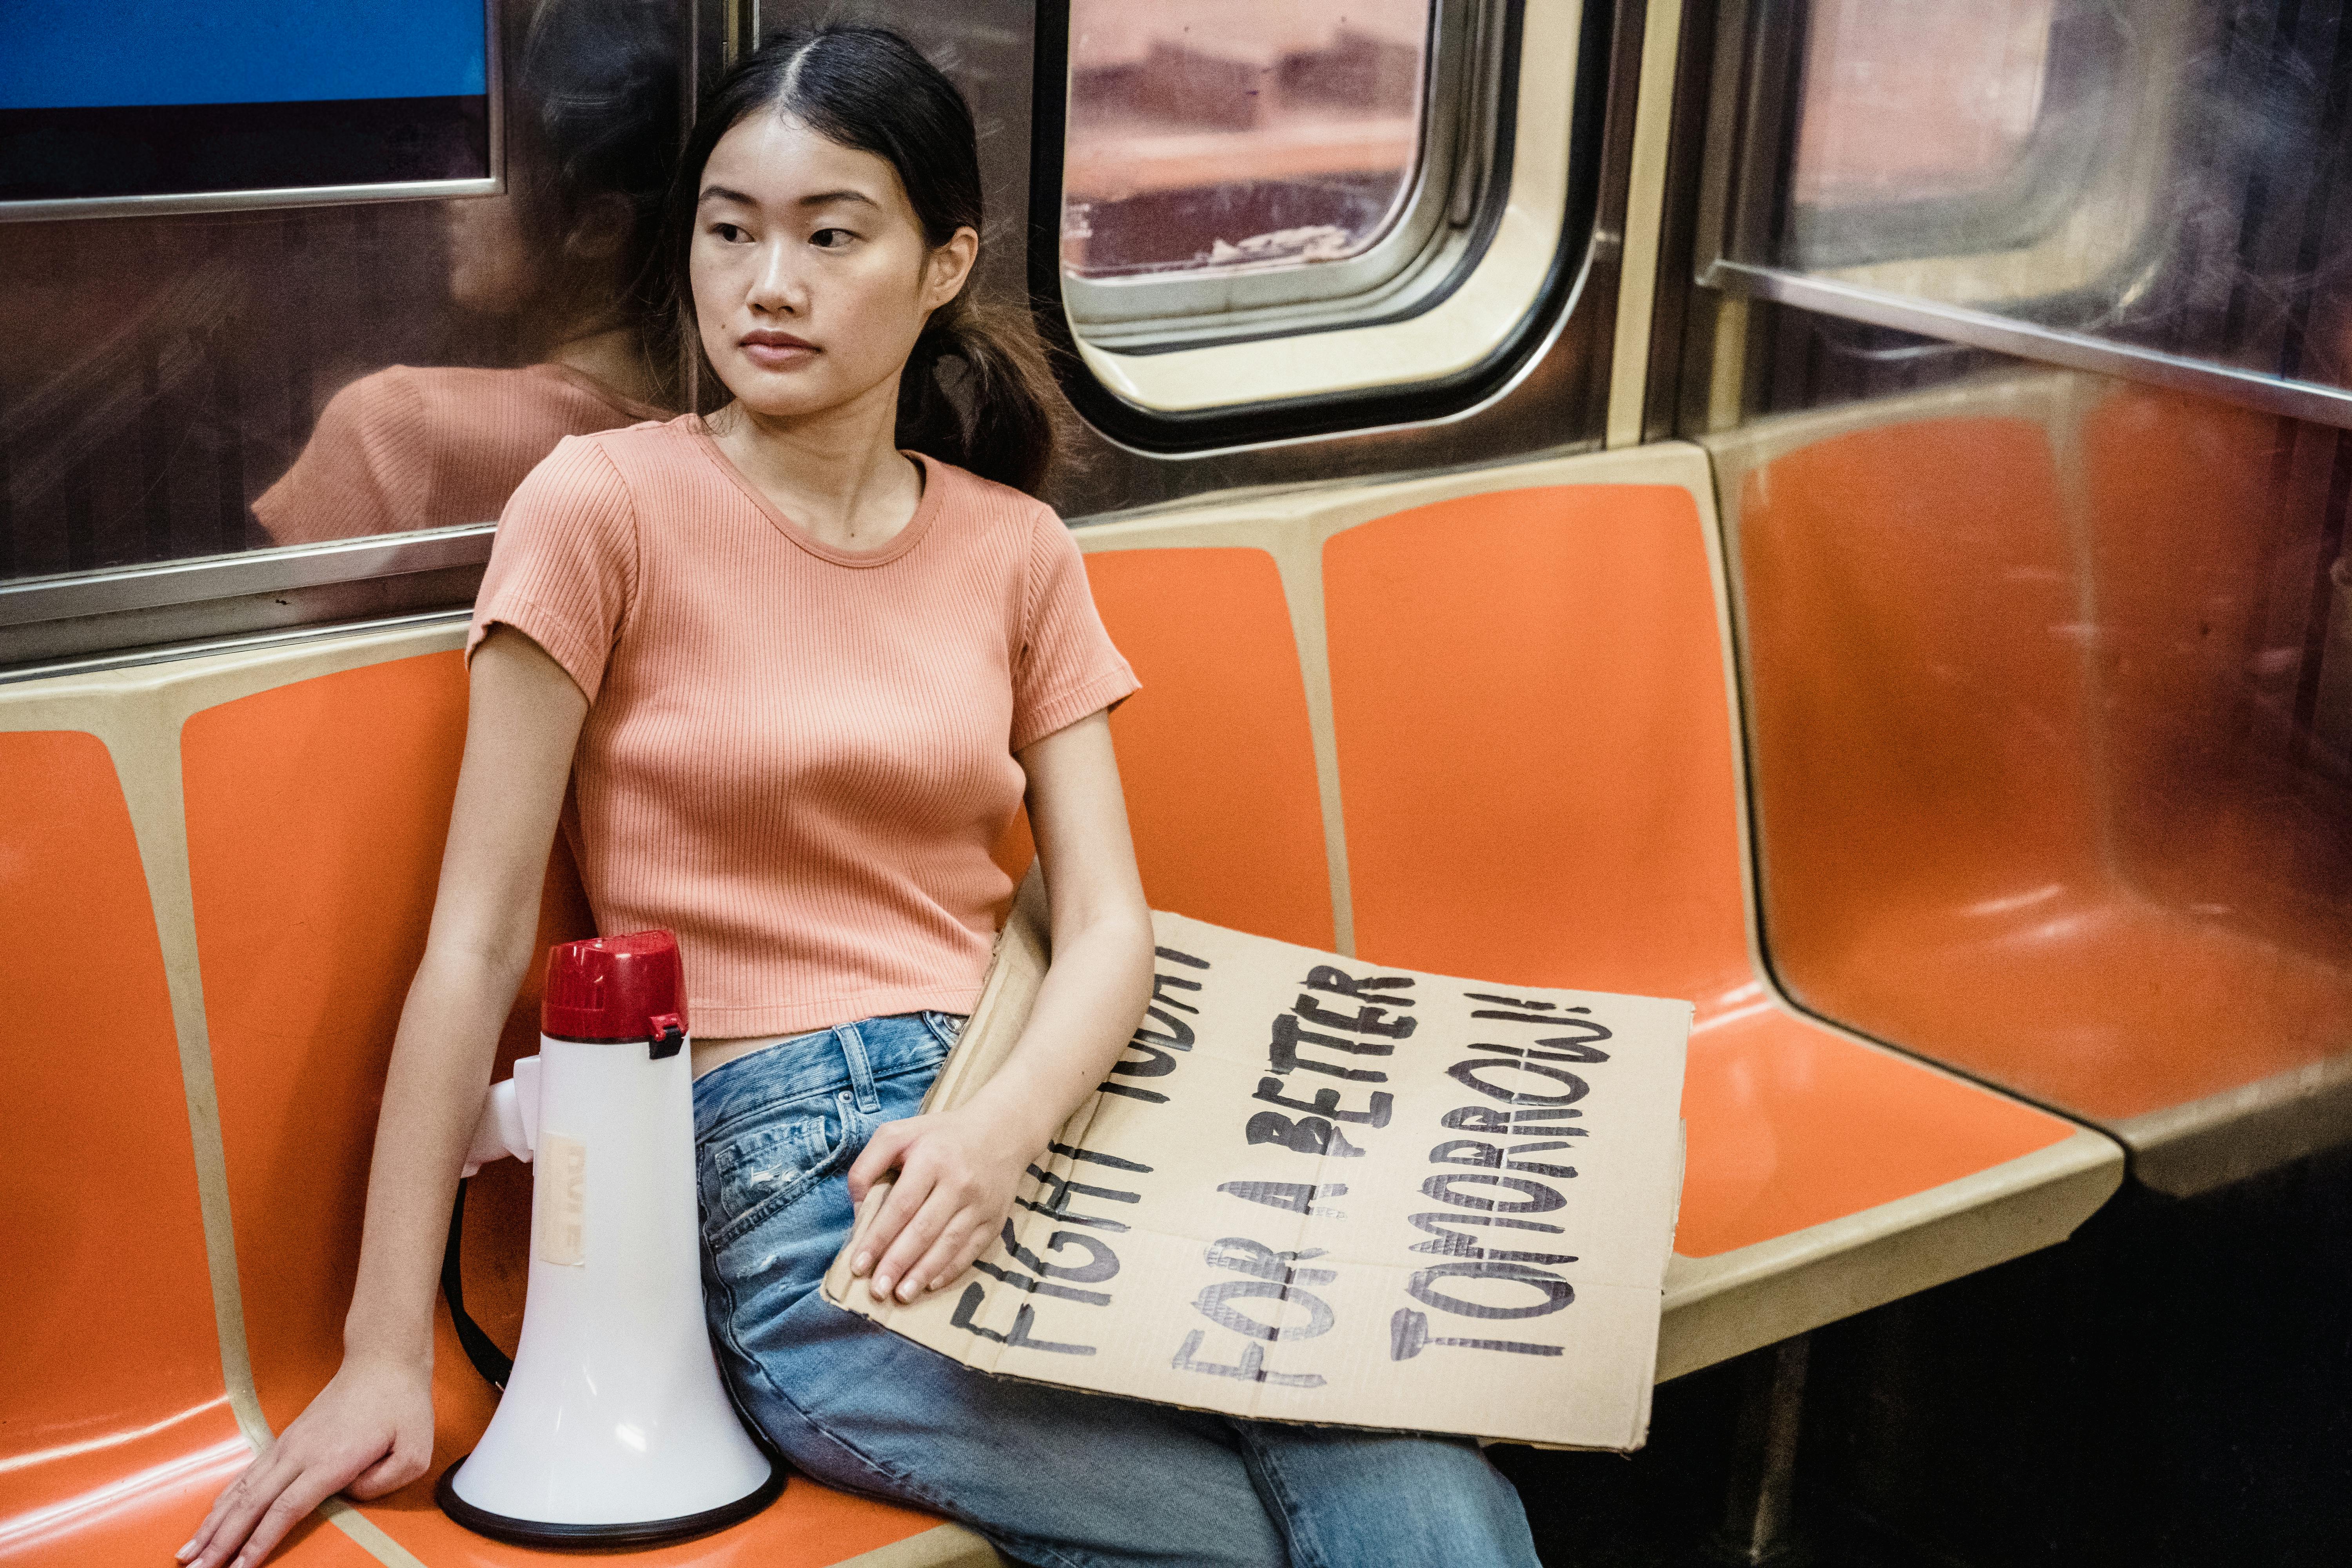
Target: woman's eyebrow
x=723, y=194
x=827, y=198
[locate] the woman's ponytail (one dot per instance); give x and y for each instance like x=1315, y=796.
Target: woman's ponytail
x=976, y=391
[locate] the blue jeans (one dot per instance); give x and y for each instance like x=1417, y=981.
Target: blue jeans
x=1050, y=1476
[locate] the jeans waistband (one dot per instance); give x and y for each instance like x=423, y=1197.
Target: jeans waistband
x=823, y=1064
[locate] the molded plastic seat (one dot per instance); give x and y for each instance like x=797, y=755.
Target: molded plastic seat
x=1531, y=743
x=2023, y=802
x=1536, y=754
x=1519, y=708
x=118, y=1428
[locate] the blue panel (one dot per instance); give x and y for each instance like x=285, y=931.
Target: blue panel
x=95, y=54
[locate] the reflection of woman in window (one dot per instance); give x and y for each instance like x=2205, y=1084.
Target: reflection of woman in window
x=560, y=263
x=797, y=680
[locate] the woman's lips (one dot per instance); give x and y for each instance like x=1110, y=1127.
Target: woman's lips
x=776, y=351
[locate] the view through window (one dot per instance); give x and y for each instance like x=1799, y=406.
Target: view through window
x=1206, y=135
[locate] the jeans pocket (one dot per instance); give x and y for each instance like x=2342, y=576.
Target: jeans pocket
x=945, y=1027
x=764, y=1162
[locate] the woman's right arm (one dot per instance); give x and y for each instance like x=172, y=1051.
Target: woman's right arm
x=370, y=1429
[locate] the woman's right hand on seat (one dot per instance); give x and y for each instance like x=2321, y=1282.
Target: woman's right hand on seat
x=368, y=1433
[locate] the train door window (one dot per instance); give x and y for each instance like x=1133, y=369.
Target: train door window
x=1392, y=177
x=1967, y=80
x=2155, y=189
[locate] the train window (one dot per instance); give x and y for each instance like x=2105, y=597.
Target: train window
x=2155, y=189
x=1223, y=154
x=1385, y=174
x=1967, y=82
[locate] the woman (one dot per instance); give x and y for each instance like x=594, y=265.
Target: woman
x=799, y=679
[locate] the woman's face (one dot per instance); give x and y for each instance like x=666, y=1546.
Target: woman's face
x=811, y=276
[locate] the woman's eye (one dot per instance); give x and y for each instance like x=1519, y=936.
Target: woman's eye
x=831, y=238
x=730, y=233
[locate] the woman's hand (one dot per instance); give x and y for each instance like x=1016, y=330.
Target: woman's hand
x=958, y=1171
x=369, y=1432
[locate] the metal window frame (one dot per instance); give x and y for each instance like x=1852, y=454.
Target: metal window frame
x=1748, y=126
x=46, y=623
x=58, y=208
x=1168, y=310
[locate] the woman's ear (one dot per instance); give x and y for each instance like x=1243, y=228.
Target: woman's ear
x=946, y=268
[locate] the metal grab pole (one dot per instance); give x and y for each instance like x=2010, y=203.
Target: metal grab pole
x=1757, y=1505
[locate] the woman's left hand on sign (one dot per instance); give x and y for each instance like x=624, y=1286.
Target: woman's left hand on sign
x=958, y=1171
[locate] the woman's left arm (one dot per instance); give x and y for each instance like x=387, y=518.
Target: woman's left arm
x=957, y=1170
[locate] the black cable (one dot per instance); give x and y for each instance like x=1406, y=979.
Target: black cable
x=494, y=1365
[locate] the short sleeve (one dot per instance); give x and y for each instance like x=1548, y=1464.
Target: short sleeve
x=1066, y=667
x=563, y=568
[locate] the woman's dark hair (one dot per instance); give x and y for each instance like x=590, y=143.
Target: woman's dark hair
x=595, y=117
x=976, y=391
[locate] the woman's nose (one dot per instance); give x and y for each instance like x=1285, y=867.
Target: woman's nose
x=776, y=284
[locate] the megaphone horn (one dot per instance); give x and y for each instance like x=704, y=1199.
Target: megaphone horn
x=615, y=1428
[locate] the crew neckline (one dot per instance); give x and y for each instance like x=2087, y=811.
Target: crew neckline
x=906, y=539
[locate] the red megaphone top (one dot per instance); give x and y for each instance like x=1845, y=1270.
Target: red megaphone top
x=617, y=988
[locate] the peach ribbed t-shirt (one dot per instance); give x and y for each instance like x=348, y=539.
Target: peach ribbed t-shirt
x=411, y=448
x=796, y=757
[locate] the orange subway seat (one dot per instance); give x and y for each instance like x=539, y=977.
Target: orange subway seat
x=2013, y=807
x=316, y=816
x=317, y=813
x=2107, y=1006
x=1215, y=752
x=2224, y=831
x=1527, y=693
x=1916, y=648
x=111, y=1389
x=1791, y=1125
x=811, y=1526
x=1534, y=761
x=136, y=1504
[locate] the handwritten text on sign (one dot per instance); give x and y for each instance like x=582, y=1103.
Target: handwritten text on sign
x=1314, y=1189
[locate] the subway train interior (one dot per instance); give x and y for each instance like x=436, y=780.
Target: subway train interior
x=1833, y=510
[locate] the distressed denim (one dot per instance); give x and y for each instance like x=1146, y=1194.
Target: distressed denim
x=1050, y=1476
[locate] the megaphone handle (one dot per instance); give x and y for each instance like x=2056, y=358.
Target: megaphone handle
x=494, y=1365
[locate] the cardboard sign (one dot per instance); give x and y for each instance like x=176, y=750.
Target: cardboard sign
x=1318, y=1189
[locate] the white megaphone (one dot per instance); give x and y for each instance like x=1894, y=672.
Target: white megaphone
x=614, y=1429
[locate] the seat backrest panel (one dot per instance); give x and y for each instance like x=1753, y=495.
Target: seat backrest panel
x=1534, y=750
x=109, y=1313
x=316, y=813
x=1915, y=643
x=1215, y=752
x=2204, y=599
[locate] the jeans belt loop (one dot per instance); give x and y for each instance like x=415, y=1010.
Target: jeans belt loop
x=861, y=1071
